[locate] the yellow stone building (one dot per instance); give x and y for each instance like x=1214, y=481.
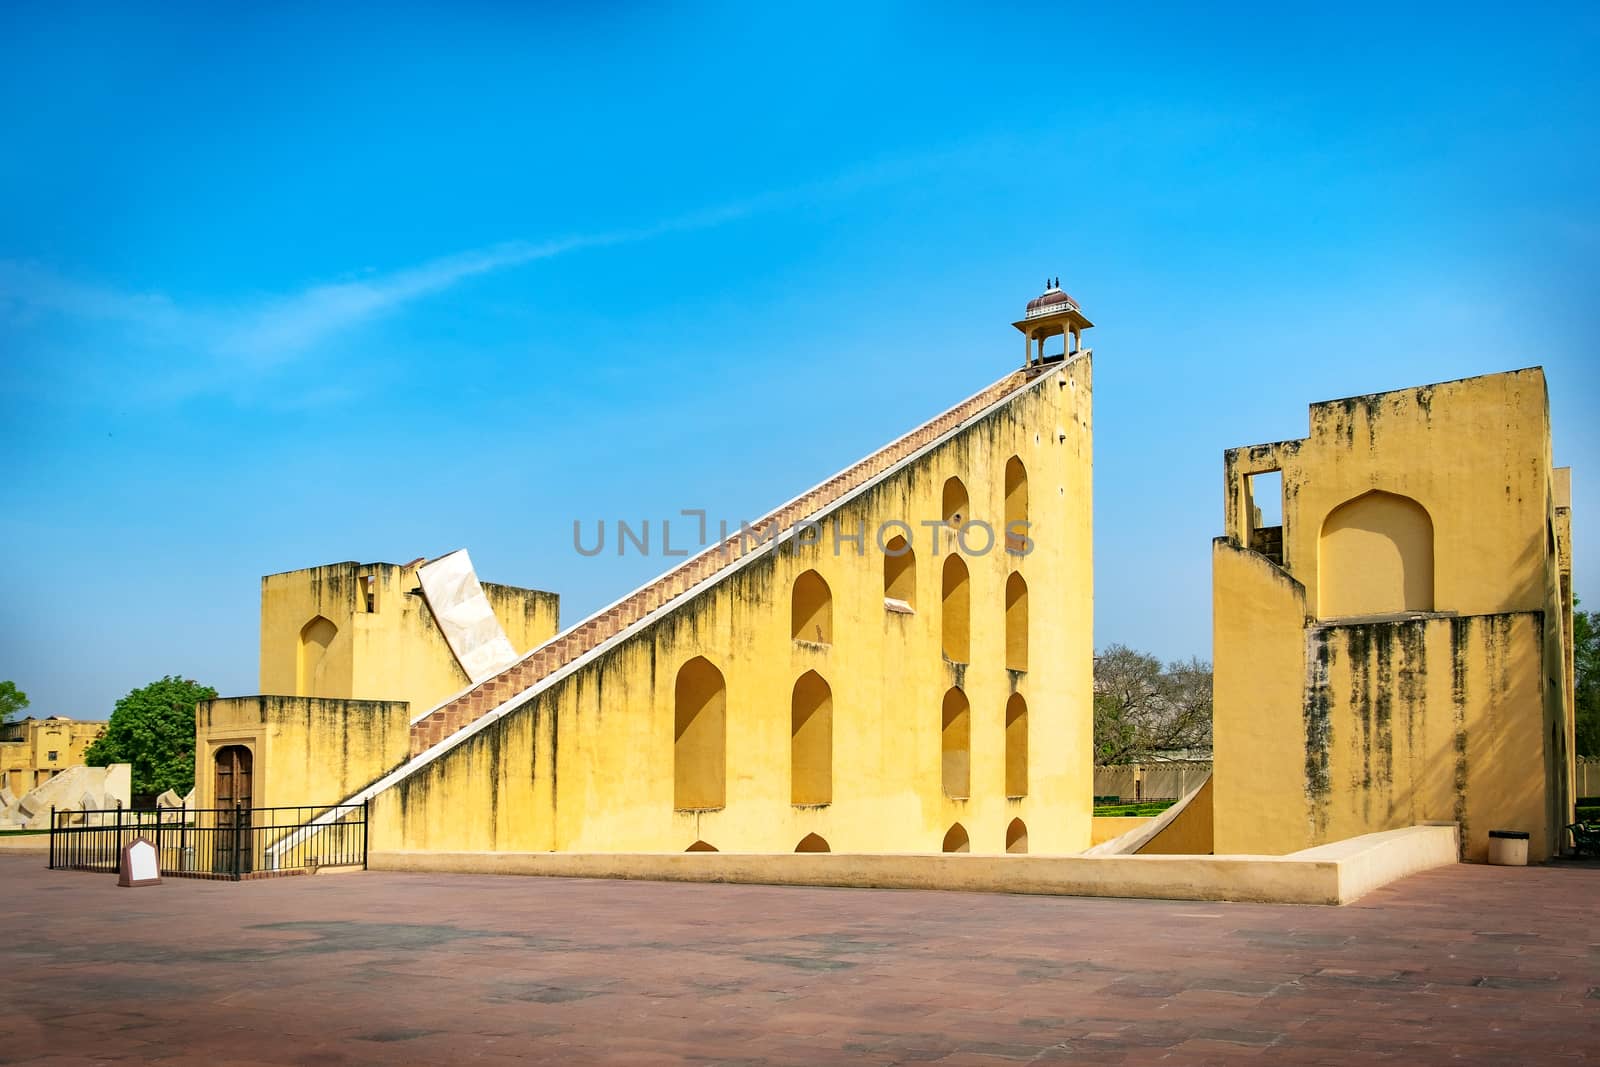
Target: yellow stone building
x=898, y=659
x=350, y=653
x=32, y=751
x=1397, y=649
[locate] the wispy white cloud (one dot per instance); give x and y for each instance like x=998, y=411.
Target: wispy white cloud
x=209, y=348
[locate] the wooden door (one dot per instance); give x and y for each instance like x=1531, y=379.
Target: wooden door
x=234, y=767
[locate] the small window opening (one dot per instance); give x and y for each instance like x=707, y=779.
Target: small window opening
x=1264, y=509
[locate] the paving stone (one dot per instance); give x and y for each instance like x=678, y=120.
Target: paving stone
x=1468, y=964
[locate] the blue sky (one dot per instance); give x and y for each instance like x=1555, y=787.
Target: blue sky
x=287, y=288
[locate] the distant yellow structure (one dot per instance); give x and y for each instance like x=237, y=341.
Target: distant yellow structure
x=350, y=652
x=899, y=659
x=32, y=751
x=1397, y=649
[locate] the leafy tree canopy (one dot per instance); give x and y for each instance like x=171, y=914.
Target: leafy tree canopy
x=153, y=729
x=1142, y=708
x=12, y=700
x=1586, y=666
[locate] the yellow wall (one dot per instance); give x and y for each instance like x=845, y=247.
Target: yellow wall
x=1408, y=661
x=394, y=652
x=588, y=762
x=1190, y=831
x=319, y=750
x=26, y=747
x=1110, y=827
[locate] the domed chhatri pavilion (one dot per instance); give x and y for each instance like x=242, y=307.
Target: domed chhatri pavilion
x=1050, y=314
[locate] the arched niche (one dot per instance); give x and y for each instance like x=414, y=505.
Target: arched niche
x=811, y=609
x=956, y=611
x=811, y=741
x=1375, y=557
x=315, y=637
x=900, y=573
x=955, y=745
x=812, y=843
x=699, y=748
x=1016, y=746
x=1016, y=623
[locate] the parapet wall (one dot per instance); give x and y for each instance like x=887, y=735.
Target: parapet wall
x=1338, y=876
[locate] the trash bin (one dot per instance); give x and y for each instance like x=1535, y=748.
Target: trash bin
x=1508, y=848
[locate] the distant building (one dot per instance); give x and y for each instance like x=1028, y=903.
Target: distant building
x=32, y=751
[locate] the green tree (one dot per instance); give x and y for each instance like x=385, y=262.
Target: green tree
x=1142, y=708
x=1586, y=684
x=153, y=729
x=12, y=700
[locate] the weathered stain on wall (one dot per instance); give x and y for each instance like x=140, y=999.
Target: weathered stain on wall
x=1388, y=735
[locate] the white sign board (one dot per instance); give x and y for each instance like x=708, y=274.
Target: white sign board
x=451, y=588
x=141, y=865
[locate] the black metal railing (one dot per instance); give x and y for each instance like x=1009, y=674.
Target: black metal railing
x=223, y=843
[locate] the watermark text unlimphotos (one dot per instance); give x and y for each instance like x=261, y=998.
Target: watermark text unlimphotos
x=690, y=532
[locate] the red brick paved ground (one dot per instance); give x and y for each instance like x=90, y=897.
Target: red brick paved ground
x=1474, y=964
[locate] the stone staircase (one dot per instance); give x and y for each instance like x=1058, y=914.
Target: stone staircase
x=564, y=648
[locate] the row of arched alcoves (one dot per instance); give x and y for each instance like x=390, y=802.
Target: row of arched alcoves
x=699, y=750
x=811, y=611
x=811, y=605
x=955, y=840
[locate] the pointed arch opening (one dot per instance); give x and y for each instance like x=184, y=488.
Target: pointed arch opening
x=811, y=610
x=899, y=575
x=955, y=746
x=811, y=741
x=699, y=751
x=956, y=611
x=1016, y=505
x=315, y=637
x=1017, y=837
x=957, y=508
x=1016, y=623
x=956, y=840
x=1016, y=746
x=812, y=843
x=701, y=846
x=1375, y=557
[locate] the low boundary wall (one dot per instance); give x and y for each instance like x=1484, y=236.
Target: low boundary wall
x=1331, y=874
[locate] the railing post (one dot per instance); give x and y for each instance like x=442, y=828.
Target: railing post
x=238, y=838
x=118, y=860
x=52, y=837
x=183, y=836
x=366, y=827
